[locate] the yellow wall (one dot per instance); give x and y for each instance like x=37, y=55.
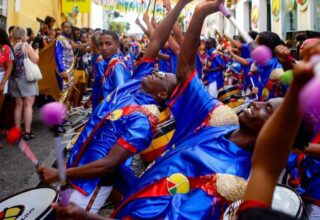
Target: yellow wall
x=30, y=10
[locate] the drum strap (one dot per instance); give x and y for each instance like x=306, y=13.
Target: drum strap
x=93, y=198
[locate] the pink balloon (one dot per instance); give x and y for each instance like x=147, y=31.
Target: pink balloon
x=261, y=55
x=53, y=113
x=309, y=96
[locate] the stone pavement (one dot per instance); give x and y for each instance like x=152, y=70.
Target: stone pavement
x=17, y=173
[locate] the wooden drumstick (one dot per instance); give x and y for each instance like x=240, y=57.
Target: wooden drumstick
x=154, y=7
x=149, y=3
x=53, y=114
x=14, y=137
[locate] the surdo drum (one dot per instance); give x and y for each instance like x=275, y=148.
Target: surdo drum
x=29, y=205
x=285, y=200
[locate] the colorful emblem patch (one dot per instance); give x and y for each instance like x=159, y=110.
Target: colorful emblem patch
x=11, y=213
x=178, y=184
x=115, y=115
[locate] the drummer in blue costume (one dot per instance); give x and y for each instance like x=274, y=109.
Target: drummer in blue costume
x=215, y=66
x=266, y=77
x=245, y=52
x=207, y=152
x=120, y=126
x=270, y=85
x=111, y=70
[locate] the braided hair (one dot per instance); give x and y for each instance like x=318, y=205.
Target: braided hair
x=270, y=39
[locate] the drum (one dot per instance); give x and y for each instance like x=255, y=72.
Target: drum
x=228, y=91
x=164, y=134
x=285, y=200
x=164, y=115
x=231, y=96
x=29, y=204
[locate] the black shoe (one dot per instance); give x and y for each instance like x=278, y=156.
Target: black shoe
x=58, y=129
x=28, y=136
x=67, y=123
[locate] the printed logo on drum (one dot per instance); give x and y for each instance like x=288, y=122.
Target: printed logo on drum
x=12, y=213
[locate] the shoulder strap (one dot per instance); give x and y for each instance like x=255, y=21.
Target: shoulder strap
x=25, y=54
x=111, y=65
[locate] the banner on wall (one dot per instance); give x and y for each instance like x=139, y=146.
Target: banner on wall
x=290, y=4
x=303, y=4
x=81, y=6
x=276, y=4
x=255, y=14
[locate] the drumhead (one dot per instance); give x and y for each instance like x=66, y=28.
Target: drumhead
x=284, y=199
x=287, y=200
x=29, y=204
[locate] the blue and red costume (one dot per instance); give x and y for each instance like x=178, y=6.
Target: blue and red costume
x=304, y=171
x=215, y=60
x=133, y=129
x=198, y=152
x=110, y=73
x=270, y=88
x=164, y=65
x=173, y=61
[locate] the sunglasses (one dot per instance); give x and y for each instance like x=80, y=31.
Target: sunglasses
x=163, y=77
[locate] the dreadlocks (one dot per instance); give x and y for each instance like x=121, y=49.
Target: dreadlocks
x=270, y=39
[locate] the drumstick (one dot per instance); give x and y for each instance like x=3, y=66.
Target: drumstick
x=148, y=6
x=14, y=138
x=242, y=32
x=154, y=7
x=140, y=10
x=261, y=54
x=250, y=76
x=53, y=114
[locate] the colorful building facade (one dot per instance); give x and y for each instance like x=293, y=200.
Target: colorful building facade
x=31, y=13
x=280, y=16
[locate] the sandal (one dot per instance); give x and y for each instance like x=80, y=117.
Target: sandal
x=28, y=135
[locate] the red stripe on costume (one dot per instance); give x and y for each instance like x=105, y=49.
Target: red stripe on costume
x=110, y=67
x=148, y=60
x=185, y=85
x=156, y=189
x=316, y=139
x=144, y=60
x=313, y=201
x=160, y=188
x=77, y=188
x=127, y=145
x=251, y=204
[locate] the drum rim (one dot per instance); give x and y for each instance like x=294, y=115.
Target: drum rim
x=301, y=207
x=46, y=211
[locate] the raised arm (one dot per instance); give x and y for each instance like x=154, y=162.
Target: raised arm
x=187, y=58
x=145, y=31
x=176, y=28
x=275, y=141
x=146, y=20
x=162, y=33
x=235, y=43
x=238, y=58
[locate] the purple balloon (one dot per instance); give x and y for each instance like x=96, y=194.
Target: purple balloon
x=261, y=55
x=53, y=113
